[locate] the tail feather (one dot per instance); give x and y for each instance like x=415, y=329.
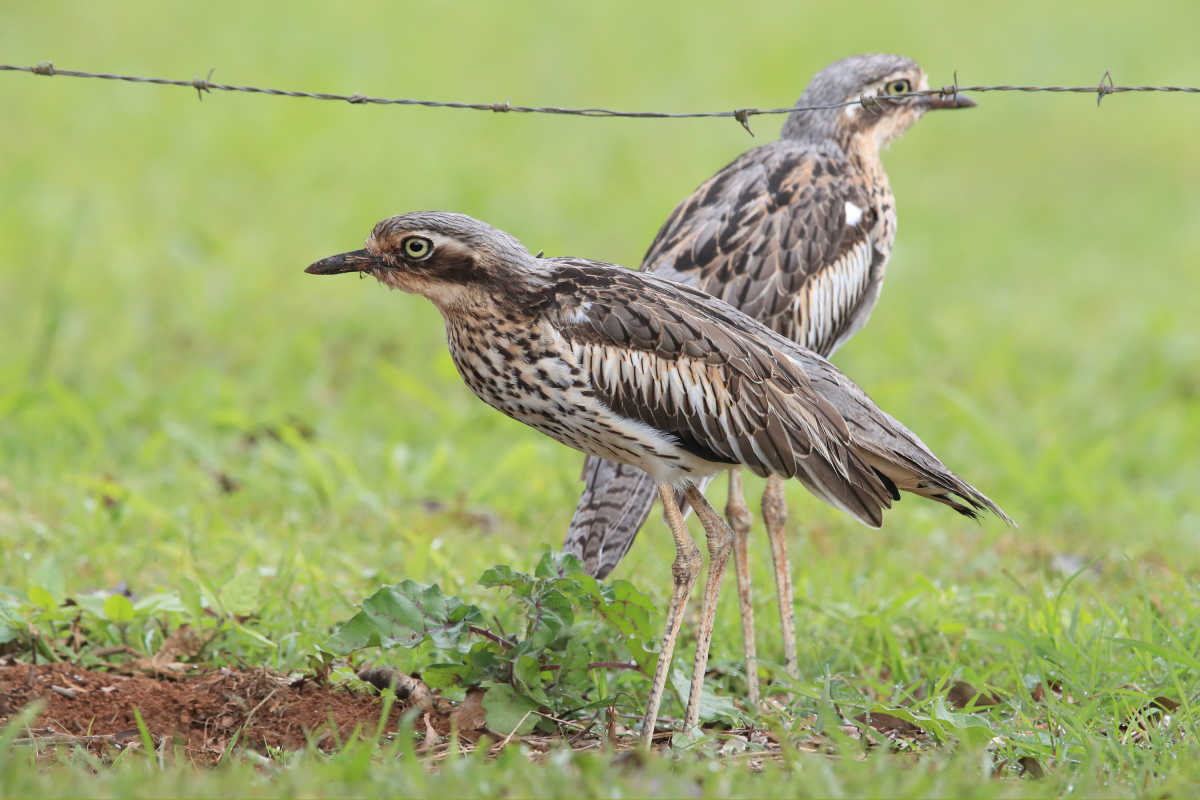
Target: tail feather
x=614, y=505
x=895, y=452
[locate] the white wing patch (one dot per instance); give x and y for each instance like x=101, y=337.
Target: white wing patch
x=830, y=297
x=579, y=315
x=853, y=214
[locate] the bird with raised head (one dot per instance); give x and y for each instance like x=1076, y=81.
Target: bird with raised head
x=795, y=233
x=644, y=371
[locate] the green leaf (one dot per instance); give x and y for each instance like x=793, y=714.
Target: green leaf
x=941, y=712
x=549, y=612
x=9, y=629
x=240, y=595
x=527, y=675
x=92, y=604
x=975, y=729
x=118, y=609
x=485, y=656
x=445, y=676
x=575, y=664
x=189, y=595
x=713, y=707
x=402, y=616
x=646, y=654
x=255, y=635
x=359, y=633
x=925, y=723
x=507, y=712
x=503, y=575
x=50, y=579
x=42, y=598
x=597, y=593
x=209, y=591
x=556, y=564
x=630, y=611
x=161, y=601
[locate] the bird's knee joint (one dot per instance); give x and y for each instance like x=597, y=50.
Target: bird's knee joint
x=686, y=565
x=774, y=510
x=739, y=516
x=720, y=539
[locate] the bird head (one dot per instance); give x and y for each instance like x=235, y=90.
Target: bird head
x=454, y=260
x=880, y=77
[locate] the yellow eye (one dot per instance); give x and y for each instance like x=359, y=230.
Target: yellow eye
x=898, y=87
x=417, y=247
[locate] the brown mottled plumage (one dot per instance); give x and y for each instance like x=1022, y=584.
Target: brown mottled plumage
x=631, y=367
x=796, y=233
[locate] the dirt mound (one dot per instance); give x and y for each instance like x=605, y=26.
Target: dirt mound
x=202, y=712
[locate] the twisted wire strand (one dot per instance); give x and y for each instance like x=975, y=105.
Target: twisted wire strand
x=742, y=115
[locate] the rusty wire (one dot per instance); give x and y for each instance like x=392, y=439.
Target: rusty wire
x=742, y=115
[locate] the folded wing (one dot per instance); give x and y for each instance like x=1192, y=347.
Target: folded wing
x=677, y=360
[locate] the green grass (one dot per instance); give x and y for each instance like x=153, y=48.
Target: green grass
x=1038, y=330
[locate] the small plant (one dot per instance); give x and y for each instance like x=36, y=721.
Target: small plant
x=576, y=629
x=92, y=629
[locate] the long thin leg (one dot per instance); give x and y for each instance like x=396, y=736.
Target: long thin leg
x=720, y=543
x=740, y=519
x=775, y=513
x=684, y=570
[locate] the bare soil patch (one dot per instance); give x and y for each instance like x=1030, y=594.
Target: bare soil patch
x=202, y=713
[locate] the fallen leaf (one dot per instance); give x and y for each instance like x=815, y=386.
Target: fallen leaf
x=183, y=641
x=431, y=736
x=886, y=723
x=1165, y=703
x=132, y=735
x=226, y=483
x=962, y=693
x=469, y=715
x=1039, y=691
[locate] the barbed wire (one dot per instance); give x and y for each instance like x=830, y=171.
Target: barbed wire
x=742, y=115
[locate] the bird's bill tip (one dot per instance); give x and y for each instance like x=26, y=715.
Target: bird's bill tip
x=951, y=101
x=354, y=261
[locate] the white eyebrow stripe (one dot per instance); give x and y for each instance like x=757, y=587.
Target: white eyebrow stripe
x=853, y=214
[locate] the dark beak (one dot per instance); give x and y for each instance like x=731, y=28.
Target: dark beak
x=949, y=101
x=356, y=261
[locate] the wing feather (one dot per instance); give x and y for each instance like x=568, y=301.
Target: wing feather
x=769, y=234
x=725, y=394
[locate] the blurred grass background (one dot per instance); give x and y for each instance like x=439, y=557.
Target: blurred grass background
x=160, y=345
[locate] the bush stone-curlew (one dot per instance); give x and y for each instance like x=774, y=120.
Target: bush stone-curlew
x=644, y=371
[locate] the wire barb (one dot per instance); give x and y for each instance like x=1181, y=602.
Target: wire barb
x=951, y=92
x=202, y=85
x=742, y=115
x=1102, y=90
x=43, y=68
